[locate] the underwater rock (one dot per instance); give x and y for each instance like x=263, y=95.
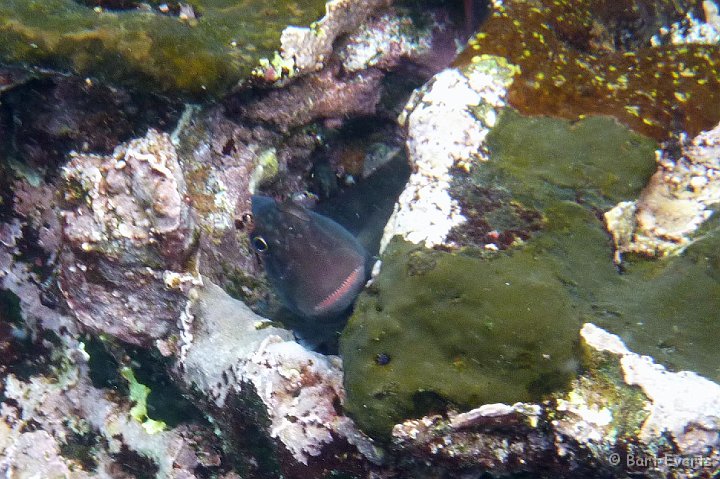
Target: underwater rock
x=438, y=330
x=384, y=40
x=33, y=453
x=51, y=116
x=28, y=255
x=327, y=94
x=259, y=381
x=126, y=224
x=223, y=162
x=10, y=77
x=306, y=49
x=206, y=49
x=269, y=141
x=682, y=406
x=447, y=122
x=496, y=438
x=595, y=57
x=531, y=186
x=677, y=201
x=624, y=415
x=52, y=425
x=691, y=29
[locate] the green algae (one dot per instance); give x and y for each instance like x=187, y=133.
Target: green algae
x=442, y=328
x=544, y=159
x=594, y=57
x=458, y=330
x=667, y=309
x=138, y=395
x=539, y=161
x=208, y=54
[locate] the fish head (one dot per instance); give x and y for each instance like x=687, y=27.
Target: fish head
x=316, y=267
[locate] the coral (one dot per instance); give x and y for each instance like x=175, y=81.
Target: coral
x=65, y=408
x=496, y=437
x=10, y=77
x=323, y=95
x=599, y=163
x=56, y=114
x=678, y=199
x=306, y=49
x=682, y=404
x=567, y=174
x=299, y=393
x=207, y=48
x=454, y=330
x=624, y=415
x=28, y=253
x=34, y=453
x=383, y=41
x=220, y=161
x=594, y=58
x=691, y=30
x=436, y=142
x=125, y=222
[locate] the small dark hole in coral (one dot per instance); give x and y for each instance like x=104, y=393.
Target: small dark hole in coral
x=381, y=395
x=49, y=299
x=382, y=359
x=30, y=425
x=229, y=147
x=337, y=406
x=103, y=366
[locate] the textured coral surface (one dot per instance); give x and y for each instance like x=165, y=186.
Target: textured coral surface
x=594, y=57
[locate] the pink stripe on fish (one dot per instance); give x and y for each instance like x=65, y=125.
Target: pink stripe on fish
x=339, y=293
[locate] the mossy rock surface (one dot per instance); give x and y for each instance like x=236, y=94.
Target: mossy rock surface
x=206, y=55
x=595, y=57
x=471, y=327
x=438, y=327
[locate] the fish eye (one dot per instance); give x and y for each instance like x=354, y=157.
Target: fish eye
x=259, y=244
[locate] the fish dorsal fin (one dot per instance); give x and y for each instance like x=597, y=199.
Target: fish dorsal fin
x=289, y=207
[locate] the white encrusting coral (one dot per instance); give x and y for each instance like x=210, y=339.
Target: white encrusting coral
x=234, y=350
x=425, y=212
x=676, y=201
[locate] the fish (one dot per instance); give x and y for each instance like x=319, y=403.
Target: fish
x=316, y=266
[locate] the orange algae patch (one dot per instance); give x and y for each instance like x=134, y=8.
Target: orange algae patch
x=572, y=63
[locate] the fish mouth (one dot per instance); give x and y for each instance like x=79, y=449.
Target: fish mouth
x=341, y=293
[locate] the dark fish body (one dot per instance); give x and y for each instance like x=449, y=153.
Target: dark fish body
x=315, y=265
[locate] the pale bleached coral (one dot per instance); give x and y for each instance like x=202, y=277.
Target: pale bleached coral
x=447, y=121
x=677, y=200
x=63, y=408
x=125, y=222
x=234, y=350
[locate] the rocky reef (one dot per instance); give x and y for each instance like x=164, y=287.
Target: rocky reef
x=125, y=223
x=199, y=48
x=677, y=201
x=595, y=58
x=627, y=415
x=544, y=298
